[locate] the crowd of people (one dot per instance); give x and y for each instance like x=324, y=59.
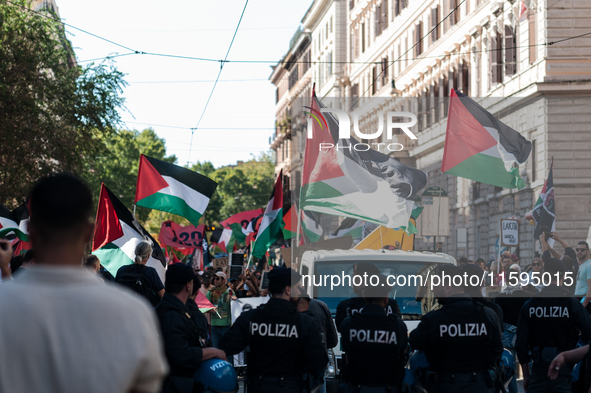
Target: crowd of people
x=74, y=331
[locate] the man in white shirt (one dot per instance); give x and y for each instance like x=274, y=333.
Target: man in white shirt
x=61, y=329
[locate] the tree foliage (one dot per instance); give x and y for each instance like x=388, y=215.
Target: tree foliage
x=242, y=187
x=118, y=166
x=54, y=114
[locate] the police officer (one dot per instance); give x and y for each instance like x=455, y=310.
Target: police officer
x=375, y=344
x=182, y=344
x=462, y=340
x=283, y=343
x=352, y=306
x=549, y=324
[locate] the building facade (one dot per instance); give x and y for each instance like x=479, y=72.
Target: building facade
x=519, y=60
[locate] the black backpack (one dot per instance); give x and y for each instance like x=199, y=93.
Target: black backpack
x=135, y=280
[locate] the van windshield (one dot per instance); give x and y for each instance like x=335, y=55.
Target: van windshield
x=405, y=295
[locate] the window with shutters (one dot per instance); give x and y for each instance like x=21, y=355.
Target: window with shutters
x=352, y=46
x=436, y=102
x=377, y=21
x=357, y=43
x=307, y=62
x=354, y=95
x=396, y=6
x=418, y=36
x=465, y=72
x=492, y=58
x=384, y=14
x=499, y=57
x=329, y=63
x=351, y=4
x=326, y=31
x=404, y=4
x=331, y=24
x=531, y=19
x=399, y=60
x=362, y=37
x=510, y=51
x=454, y=18
x=434, y=21
x=373, y=80
x=384, y=71
x=445, y=24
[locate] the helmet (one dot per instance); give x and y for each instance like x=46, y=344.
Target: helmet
x=507, y=367
x=217, y=376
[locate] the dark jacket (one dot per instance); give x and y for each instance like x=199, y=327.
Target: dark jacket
x=375, y=345
x=461, y=337
x=198, y=318
x=180, y=334
x=550, y=322
x=321, y=314
x=283, y=342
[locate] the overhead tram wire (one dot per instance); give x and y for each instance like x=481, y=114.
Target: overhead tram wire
x=222, y=63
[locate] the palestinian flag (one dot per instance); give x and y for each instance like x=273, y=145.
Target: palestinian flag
x=543, y=212
x=364, y=185
x=311, y=226
x=117, y=233
x=173, y=189
x=481, y=148
x=290, y=228
x=271, y=228
x=222, y=237
x=203, y=303
x=242, y=226
x=349, y=226
x=12, y=224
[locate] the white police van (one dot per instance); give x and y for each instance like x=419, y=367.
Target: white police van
x=325, y=263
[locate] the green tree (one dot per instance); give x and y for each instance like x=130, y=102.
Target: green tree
x=118, y=166
x=54, y=114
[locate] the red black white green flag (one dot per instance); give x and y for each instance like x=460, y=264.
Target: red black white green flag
x=543, y=212
x=479, y=147
x=117, y=233
x=173, y=189
x=271, y=228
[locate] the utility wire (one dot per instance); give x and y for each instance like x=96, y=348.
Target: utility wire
x=203, y=128
x=216, y=80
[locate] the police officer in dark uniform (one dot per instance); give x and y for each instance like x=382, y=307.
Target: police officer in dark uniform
x=350, y=307
x=375, y=344
x=182, y=343
x=462, y=340
x=549, y=324
x=283, y=342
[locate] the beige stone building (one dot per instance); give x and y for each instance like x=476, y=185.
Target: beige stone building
x=524, y=67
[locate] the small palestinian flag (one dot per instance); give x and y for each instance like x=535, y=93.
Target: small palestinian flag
x=173, y=189
x=271, y=228
x=290, y=228
x=117, y=233
x=544, y=211
x=12, y=226
x=481, y=148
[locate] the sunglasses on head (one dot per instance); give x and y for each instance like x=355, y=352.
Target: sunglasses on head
x=580, y=249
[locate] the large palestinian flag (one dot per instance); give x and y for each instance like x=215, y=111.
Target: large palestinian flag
x=117, y=233
x=365, y=185
x=173, y=189
x=271, y=228
x=543, y=213
x=479, y=147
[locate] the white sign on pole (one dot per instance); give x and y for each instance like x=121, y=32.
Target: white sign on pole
x=509, y=233
x=434, y=219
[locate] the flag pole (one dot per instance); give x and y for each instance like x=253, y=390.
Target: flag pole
x=134, y=210
x=381, y=239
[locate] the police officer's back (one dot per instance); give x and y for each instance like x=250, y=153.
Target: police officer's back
x=282, y=341
x=375, y=344
x=349, y=307
x=182, y=344
x=549, y=324
x=462, y=341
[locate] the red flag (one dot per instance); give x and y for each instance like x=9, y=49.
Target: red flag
x=107, y=227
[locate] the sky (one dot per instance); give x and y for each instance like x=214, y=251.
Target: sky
x=239, y=119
